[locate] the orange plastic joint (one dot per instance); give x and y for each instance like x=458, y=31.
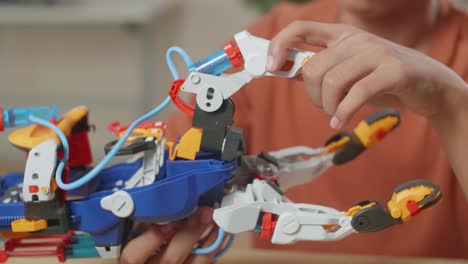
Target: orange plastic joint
x=174, y=95
x=268, y=225
x=116, y=128
x=53, y=121
x=234, y=54
x=412, y=207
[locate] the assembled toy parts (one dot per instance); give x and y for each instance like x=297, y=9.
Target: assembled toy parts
x=89, y=211
x=286, y=222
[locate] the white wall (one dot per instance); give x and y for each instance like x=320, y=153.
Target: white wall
x=101, y=66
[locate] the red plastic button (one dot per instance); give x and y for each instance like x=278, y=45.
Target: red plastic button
x=234, y=54
x=413, y=207
x=33, y=188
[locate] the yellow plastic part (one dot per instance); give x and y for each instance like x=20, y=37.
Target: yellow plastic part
x=397, y=205
x=335, y=146
x=188, y=145
x=353, y=210
x=70, y=119
x=304, y=61
x=13, y=235
x=143, y=133
x=368, y=134
x=329, y=227
x=23, y=225
x=53, y=186
x=30, y=136
x=44, y=189
x=170, y=146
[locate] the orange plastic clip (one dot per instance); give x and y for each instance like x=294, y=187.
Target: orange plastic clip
x=145, y=129
x=268, y=225
x=174, y=95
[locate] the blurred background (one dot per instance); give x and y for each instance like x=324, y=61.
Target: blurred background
x=106, y=54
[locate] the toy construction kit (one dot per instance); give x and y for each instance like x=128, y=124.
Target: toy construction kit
x=78, y=210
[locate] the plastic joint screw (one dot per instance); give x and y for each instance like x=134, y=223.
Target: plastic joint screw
x=195, y=79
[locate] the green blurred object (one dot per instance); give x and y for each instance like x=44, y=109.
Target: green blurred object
x=265, y=5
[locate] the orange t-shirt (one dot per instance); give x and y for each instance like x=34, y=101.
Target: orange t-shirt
x=277, y=113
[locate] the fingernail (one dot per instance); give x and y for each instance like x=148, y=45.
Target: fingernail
x=270, y=64
x=206, y=216
x=335, y=123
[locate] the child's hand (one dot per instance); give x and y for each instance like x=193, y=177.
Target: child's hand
x=176, y=245
x=358, y=67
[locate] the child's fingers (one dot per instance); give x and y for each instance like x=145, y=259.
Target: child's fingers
x=181, y=245
x=140, y=249
x=307, y=32
x=206, y=258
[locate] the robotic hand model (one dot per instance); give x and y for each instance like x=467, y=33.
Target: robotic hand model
x=256, y=201
x=262, y=207
x=196, y=170
x=260, y=200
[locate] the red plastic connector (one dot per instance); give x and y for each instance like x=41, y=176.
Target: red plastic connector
x=3, y=256
x=234, y=54
x=80, y=149
x=53, y=121
x=174, y=95
x=33, y=248
x=271, y=179
x=413, y=207
x=62, y=194
x=268, y=225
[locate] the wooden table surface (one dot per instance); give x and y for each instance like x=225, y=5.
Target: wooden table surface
x=272, y=257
